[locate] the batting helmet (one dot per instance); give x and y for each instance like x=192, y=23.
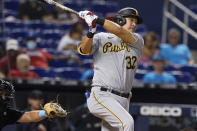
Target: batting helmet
x=127, y=12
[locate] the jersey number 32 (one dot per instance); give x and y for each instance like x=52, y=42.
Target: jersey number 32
x=131, y=60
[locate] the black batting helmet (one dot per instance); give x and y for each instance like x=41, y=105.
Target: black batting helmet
x=127, y=12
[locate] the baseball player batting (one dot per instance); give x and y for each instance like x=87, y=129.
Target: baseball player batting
x=116, y=56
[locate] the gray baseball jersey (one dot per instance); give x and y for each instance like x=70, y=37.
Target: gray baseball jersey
x=115, y=62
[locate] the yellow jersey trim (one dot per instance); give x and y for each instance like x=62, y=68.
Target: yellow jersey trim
x=80, y=52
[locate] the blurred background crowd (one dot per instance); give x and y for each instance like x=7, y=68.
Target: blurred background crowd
x=39, y=41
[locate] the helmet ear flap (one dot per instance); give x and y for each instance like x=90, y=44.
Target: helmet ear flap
x=120, y=20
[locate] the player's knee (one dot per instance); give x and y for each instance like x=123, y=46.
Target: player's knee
x=129, y=124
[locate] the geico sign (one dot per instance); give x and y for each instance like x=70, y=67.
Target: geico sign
x=160, y=111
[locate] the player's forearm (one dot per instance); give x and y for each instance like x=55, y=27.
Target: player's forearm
x=32, y=116
x=86, y=46
x=114, y=28
x=122, y=33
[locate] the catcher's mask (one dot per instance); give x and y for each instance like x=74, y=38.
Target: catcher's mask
x=8, y=88
x=127, y=12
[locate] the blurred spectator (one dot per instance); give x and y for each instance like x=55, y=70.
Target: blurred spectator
x=80, y=26
x=31, y=10
x=23, y=62
x=88, y=74
x=70, y=40
x=176, y=53
x=158, y=75
x=39, y=58
x=9, y=61
x=61, y=16
x=35, y=100
x=150, y=47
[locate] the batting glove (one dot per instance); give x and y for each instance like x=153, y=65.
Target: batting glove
x=89, y=17
x=82, y=14
x=92, y=30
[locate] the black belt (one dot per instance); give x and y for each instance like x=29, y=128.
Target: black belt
x=126, y=95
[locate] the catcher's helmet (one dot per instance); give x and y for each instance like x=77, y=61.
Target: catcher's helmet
x=9, y=90
x=127, y=12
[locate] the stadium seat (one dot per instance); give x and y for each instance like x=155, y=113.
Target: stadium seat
x=13, y=25
x=73, y=6
x=45, y=43
x=58, y=63
x=37, y=25
x=85, y=56
x=11, y=13
x=49, y=73
x=189, y=69
x=183, y=77
x=171, y=68
x=87, y=63
x=12, y=5
x=147, y=67
x=50, y=26
x=62, y=63
x=104, y=8
x=69, y=73
x=64, y=27
x=140, y=74
x=51, y=35
x=20, y=34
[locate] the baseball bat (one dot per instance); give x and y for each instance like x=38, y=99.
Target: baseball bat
x=51, y=2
